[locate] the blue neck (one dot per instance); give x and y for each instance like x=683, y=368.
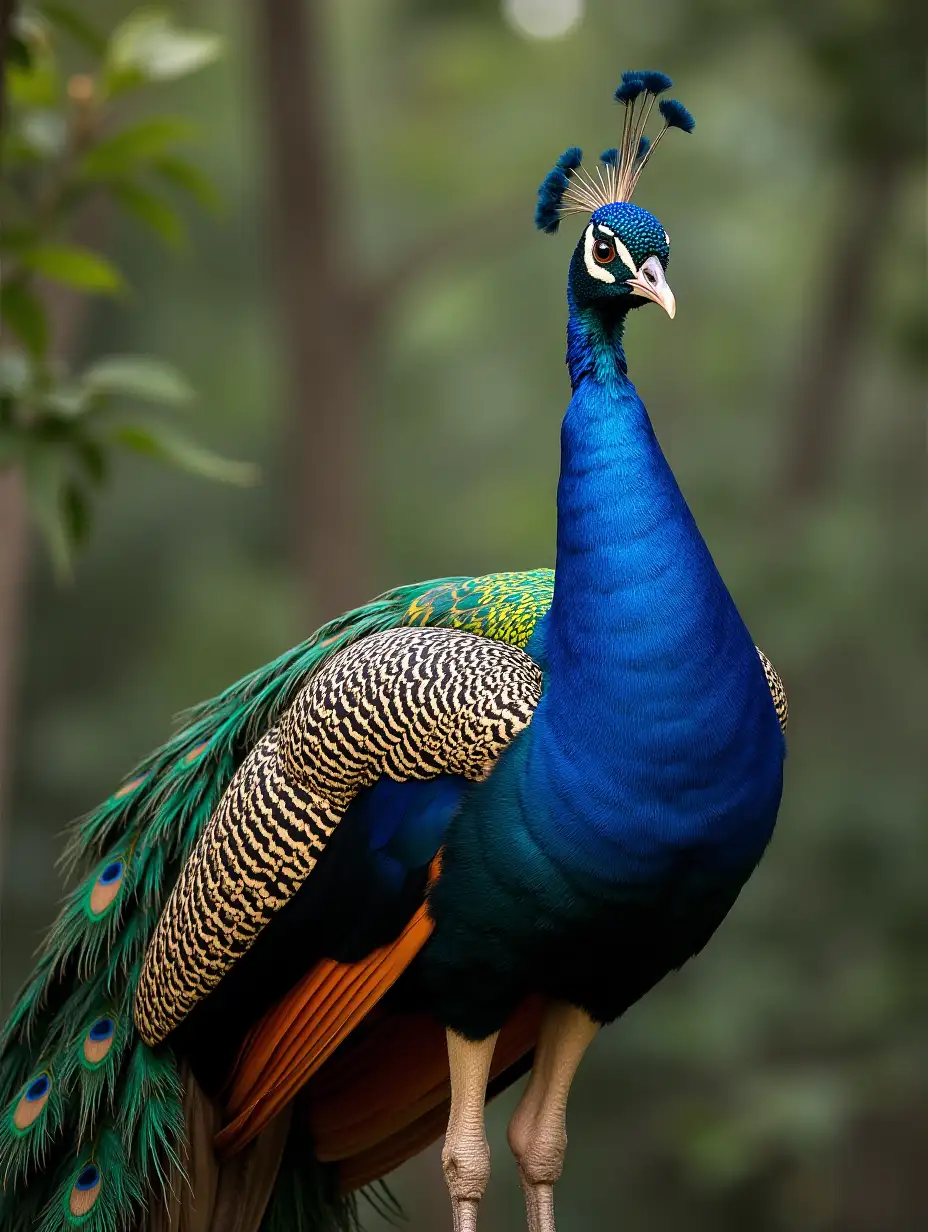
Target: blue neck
x=649, y=669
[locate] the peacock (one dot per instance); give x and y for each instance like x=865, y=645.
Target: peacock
x=434, y=848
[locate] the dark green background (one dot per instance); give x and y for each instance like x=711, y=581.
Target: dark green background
x=779, y=1083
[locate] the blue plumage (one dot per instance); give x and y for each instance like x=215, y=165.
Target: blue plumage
x=629, y=815
x=654, y=82
x=632, y=87
x=676, y=115
x=553, y=187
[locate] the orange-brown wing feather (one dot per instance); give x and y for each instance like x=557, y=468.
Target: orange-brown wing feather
x=375, y=1085
x=298, y=1035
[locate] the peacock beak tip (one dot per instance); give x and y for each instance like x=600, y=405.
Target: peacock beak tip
x=651, y=283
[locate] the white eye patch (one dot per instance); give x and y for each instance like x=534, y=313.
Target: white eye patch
x=593, y=268
x=625, y=256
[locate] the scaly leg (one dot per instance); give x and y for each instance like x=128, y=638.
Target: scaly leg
x=466, y=1155
x=538, y=1129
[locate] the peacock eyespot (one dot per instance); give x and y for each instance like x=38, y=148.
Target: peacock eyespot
x=38, y=1087
x=106, y=887
x=87, y=1177
x=102, y=1029
x=603, y=252
x=85, y=1191
x=128, y=788
x=98, y=1041
x=31, y=1102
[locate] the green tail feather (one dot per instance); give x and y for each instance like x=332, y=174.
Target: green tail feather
x=113, y=1104
x=97, y=1190
x=304, y=1198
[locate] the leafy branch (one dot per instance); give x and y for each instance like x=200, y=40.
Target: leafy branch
x=73, y=141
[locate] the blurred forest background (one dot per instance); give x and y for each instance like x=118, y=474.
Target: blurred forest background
x=373, y=321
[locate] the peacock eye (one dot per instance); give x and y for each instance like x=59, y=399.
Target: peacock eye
x=603, y=252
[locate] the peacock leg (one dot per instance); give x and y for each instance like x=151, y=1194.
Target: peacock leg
x=466, y=1155
x=538, y=1129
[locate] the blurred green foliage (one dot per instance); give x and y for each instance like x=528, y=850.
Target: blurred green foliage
x=72, y=145
x=779, y=1082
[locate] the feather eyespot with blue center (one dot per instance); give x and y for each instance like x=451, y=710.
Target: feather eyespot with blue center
x=85, y=1191
x=99, y=1040
x=106, y=887
x=32, y=1101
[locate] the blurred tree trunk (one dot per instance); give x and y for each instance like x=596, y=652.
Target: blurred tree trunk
x=13, y=552
x=820, y=398
x=324, y=346
x=331, y=314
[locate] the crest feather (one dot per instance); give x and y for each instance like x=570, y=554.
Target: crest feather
x=570, y=189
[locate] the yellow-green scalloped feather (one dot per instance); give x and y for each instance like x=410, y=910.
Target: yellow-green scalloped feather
x=504, y=607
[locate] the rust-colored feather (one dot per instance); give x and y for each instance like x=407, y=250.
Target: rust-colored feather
x=374, y=1084
x=298, y=1035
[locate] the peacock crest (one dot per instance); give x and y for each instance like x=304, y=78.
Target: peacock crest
x=570, y=188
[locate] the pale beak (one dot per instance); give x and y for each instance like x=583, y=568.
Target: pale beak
x=651, y=283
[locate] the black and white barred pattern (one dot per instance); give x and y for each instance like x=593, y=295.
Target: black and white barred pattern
x=411, y=703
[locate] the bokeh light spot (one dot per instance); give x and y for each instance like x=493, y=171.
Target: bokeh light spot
x=543, y=19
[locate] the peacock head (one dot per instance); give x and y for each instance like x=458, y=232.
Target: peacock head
x=621, y=259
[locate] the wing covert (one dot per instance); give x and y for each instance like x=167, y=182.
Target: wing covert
x=409, y=703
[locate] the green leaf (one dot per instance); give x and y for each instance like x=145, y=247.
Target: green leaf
x=17, y=52
x=31, y=71
x=151, y=211
x=65, y=401
x=167, y=446
x=25, y=316
x=138, y=376
x=74, y=266
x=15, y=373
x=75, y=513
x=43, y=473
x=189, y=179
x=148, y=47
x=14, y=239
x=92, y=457
x=81, y=30
x=35, y=85
x=138, y=143
x=43, y=131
